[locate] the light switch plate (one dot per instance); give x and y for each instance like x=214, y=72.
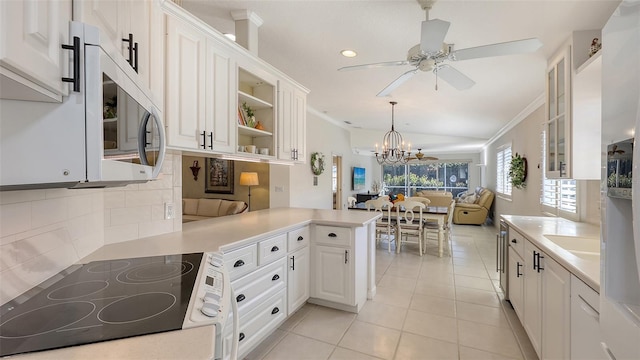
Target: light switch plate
x=169, y=212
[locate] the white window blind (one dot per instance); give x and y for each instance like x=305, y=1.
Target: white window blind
x=503, y=161
x=557, y=194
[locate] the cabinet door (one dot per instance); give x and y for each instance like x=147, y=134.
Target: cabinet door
x=137, y=22
x=220, y=80
x=109, y=16
x=31, y=56
x=292, y=109
x=516, y=282
x=532, y=296
x=185, y=105
x=556, y=310
x=332, y=276
x=558, y=127
x=298, y=280
x=286, y=149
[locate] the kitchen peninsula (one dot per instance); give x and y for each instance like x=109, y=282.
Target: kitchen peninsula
x=261, y=239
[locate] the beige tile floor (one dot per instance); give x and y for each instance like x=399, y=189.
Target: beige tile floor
x=425, y=308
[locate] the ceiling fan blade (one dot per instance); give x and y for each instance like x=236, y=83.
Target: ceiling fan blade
x=499, y=49
x=454, y=77
x=397, y=82
x=374, y=65
x=432, y=35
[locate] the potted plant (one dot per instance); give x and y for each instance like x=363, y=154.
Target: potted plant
x=251, y=118
x=518, y=171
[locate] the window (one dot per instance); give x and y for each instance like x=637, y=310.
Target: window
x=503, y=161
x=558, y=196
x=410, y=178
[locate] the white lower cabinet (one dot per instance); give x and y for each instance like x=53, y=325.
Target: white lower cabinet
x=556, y=310
x=585, y=322
x=298, y=279
x=339, y=263
x=540, y=293
x=532, y=321
x=516, y=282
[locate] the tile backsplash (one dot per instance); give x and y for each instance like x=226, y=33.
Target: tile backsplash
x=42, y=232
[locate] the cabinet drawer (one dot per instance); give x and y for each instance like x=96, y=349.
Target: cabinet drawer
x=259, y=285
x=241, y=261
x=298, y=239
x=259, y=322
x=516, y=241
x=271, y=249
x=332, y=235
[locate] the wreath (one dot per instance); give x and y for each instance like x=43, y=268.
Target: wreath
x=518, y=171
x=317, y=163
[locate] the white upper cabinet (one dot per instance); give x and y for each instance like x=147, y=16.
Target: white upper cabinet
x=292, y=120
x=185, y=85
x=220, y=80
x=32, y=61
x=573, y=110
x=126, y=26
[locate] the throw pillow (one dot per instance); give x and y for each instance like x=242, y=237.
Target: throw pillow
x=470, y=199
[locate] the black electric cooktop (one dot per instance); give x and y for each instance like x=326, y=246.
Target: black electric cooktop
x=98, y=301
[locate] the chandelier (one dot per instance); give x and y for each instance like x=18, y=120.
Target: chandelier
x=393, y=151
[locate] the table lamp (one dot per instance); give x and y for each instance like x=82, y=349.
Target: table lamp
x=249, y=179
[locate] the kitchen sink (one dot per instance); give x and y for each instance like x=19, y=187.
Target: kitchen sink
x=579, y=246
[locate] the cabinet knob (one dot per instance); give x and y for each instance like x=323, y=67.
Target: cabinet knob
x=241, y=337
x=275, y=277
x=514, y=241
x=240, y=297
x=300, y=238
x=238, y=263
x=275, y=311
x=274, y=249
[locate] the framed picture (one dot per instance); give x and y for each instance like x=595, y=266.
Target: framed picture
x=219, y=176
x=358, y=178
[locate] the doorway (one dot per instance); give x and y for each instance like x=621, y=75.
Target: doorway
x=336, y=181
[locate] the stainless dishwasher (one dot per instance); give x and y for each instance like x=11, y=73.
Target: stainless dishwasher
x=502, y=251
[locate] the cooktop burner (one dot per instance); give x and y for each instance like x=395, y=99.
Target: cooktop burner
x=102, y=300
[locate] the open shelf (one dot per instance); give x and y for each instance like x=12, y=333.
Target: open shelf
x=253, y=101
x=249, y=131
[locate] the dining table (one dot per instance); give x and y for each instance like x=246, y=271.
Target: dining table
x=436, y=214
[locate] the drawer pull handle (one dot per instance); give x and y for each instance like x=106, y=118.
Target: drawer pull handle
x=514, y=241
x=274, y=249
x=241, y=337
x=275, y=311
x=300, y=238
x=518, y=269
x=275, y=277
x=238, y=263
x=240, y=297
x=333, y=235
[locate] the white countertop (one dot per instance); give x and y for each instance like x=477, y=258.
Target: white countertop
x=534, y=227
x=230, y=232
x=224, y=233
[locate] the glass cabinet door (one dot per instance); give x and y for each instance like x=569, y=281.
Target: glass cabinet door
x=558, y=107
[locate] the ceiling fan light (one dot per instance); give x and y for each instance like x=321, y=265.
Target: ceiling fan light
x=348, y=53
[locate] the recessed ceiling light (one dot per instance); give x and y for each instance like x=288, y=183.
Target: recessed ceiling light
x=348, y=53
x=230, y=36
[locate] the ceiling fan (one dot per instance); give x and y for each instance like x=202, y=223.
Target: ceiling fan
x=433, y=54
x=421, y=157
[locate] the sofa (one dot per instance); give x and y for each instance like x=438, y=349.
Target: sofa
x=472, y=208
x=437, y=198
x=200, y=209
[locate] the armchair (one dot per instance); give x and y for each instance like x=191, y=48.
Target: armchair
x=474, y=213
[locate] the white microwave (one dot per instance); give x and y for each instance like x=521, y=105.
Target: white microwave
x=107, y=132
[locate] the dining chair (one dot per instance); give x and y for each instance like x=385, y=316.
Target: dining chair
x=432, y=230
x=386, y=223
x=410, y=221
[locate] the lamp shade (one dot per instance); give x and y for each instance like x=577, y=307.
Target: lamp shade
x=249, y=178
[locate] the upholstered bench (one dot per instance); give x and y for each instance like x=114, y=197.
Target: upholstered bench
x=200, y=209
